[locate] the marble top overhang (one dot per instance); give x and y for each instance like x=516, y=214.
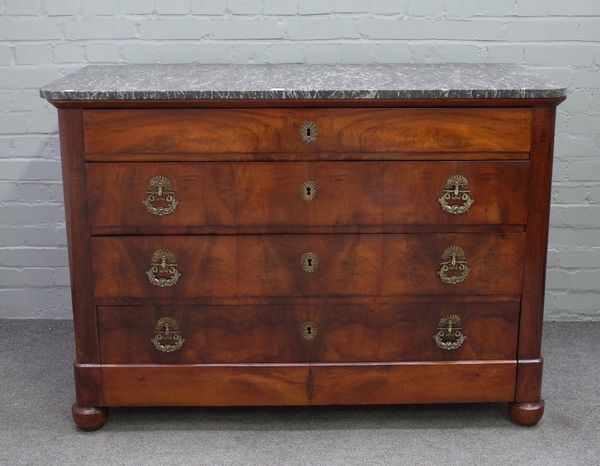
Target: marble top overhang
x=297, y=81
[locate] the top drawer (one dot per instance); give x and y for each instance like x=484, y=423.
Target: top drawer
x=307, y=130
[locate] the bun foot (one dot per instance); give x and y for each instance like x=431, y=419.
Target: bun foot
x=89, y=418
x=526, y=414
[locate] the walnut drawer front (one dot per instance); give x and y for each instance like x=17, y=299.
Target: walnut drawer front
x=307, y=333
x=311, y=265
x=277, y=196
x=188, y=131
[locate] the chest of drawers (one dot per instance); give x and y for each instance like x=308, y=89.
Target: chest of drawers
x=372, y=244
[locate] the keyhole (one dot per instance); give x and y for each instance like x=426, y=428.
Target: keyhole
x=308, y=330
x=310, y=262
x=308, y=132
x=308, y=190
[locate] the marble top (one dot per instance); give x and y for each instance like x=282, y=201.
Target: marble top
x=231, y=82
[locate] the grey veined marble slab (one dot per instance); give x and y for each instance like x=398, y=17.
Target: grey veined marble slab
x=230, y=82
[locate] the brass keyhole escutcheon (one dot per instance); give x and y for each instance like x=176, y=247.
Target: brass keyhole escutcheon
x=453, y=266
x=308, y=132
x=167, y=337
x=308, y=330
x=309, y=262
x=163, y=269
x=308, y=191
x=456, y=197
x=160, y=196
x=449, y=335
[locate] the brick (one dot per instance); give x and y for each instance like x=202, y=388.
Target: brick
x=426, y=7
x=12, y=123
x=562, y=236
x=101, y=29
x=32, y=146
x=467, y=30
x=40, y=303
x=357, y=53
x=585, y=171
x=504, y=54
x=574, y=303
x=395, y=52
x=246, y=52
x=583, y=258
x=100, y=7
x=177, y=52
x=62, y=277
x=39, y=235
x=315, y=7
x=25, y=100
x=207, y=52
x=594, y=195
x=351, y=6
x=462, y=8
x=286, y=53
x=23, y=7
x=278, y=7
x=6, y=56
x=497, y=7
x=531, y=7
x=61, y=7
x=175, y=29
x=315, y=29
x=557, y=279
x=68, y=53
x=541, y=30
x=27, y=191
x=140, y=7
x=212, y=7
x=27, y=170
x=60, y=234
x=389, y=7
x=563, y=55
x=582, y=216
x=102, y=53
x=246, y=7
x=578, y=101
x=395, y=29
x=584, y=124
x=32, y=54
x=140, y=53
x=42, y=121
x=33, y=257
x=447, y=53
x=587, y=280
x=588, y=237
x=320, y=52
x=587, y=79
x=589, y=30
x=28, y=29
x=575, y=146
x=571, y=8
x=173, y=7
x=569, y=194
x=248, y=29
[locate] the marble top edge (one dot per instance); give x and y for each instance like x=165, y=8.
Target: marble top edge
x=294, y=82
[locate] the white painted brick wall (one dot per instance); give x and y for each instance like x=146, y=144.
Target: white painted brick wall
x=41, y=40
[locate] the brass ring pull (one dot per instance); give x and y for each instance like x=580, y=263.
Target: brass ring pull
x=309, y=262
x=160, y=191
x=163, y=269
x=167, y=337
x=449, y=335
x=456, y=190
x=309, y=132
x=453, y=267
x=308, y=330
x=308, y=191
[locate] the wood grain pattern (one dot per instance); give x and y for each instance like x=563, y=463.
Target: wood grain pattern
x=344, y=333
x=209, y=385
x=269, y=265
x=265, y=197
x=278, y=130
x=424, y=382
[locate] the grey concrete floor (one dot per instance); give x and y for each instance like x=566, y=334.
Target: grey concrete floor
x=36, y=391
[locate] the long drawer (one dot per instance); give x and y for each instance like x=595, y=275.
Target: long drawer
x=263, y=197
x=180, y=131
x=147, y=267
x=433, y=331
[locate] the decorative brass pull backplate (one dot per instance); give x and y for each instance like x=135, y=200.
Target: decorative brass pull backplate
x=308, y=191
x=453, y=267
x=309, y=132
x=308, y=330
x=309, y=262
x=449, y=335
x=456, y=190
x=167, y=337
x=160, y=192
x=163, y=269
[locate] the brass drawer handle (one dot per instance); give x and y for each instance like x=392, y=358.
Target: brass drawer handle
x=449, y=335
x=308, y=191
x=453, y=267
x=167, y=337
x=456, y=190
x=163, y=269
x=309, y=262
x=308, y=330
x=160, y=190
x=309, y=132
